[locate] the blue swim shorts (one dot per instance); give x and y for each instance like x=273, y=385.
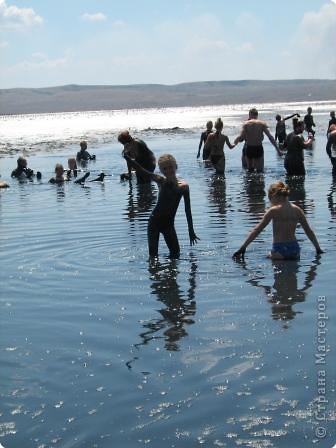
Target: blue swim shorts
x=290, y=250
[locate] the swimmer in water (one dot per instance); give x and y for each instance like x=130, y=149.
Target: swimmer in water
x=161, y=220
x=83, y=155
x=285, y=217
x=59, y=175
x=22, y=171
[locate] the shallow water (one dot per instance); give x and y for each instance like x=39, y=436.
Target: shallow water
x=100, y=348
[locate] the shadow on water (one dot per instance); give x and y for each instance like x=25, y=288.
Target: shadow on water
x=178, y=309
x=284, y=293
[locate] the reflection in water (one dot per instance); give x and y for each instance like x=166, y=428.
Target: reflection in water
x=285, y=291
x=218, y=204
x=254, y=195
x=140, y=201
x=297, y=193
x=178, y=307
x=331, y=199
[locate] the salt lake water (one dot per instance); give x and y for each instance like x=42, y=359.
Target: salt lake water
x=100, y=348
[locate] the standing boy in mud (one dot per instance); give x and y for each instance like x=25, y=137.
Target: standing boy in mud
x=162, y=217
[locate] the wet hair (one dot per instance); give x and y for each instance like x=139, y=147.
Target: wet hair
x=219, y=124
x=58, y=166
x=83, y=144
x=20, y=161
x=253, y=112
x=278, y=117
x=164, y=158
x=124, y=137
x=298, y=124
x=278, y=189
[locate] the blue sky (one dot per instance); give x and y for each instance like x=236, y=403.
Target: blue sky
x=49, y=42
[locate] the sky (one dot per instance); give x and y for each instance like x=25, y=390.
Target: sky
x=89, y=42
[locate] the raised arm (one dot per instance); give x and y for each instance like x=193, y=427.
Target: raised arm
x=187, y=207
x=291, y=116
x=254, y=233
x=309, y=232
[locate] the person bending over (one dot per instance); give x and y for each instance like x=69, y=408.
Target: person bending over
x=285, y=217
x=138, y=150
x=161, y=220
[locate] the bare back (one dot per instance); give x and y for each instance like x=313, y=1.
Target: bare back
x=253, y=131
x=285, y=218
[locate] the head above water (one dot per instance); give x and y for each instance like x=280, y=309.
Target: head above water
x=253, y=113
x=59, y=170
x=278, y=117
x=21, y=162
x=298, y=126
x=278, y=190
x=124, y=137
x=219, y=124
x=83, y=145
x=209, y=125
x=167, y=162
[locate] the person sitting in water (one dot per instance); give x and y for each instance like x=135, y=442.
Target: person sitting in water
x=331, y=147
x=309, y=121
x=203, y=139
x=295, y=144
x=161, y=220
x=138, y=150
x=59, y=177
x=72, y=168
x=252, y=133
x=285, y=217
x=214, y=146
x=83, y=155
x=22, y=171
x=280, y=130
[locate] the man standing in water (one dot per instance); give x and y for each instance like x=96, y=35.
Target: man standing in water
x=253, y=134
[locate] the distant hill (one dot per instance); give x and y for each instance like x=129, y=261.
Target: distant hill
x=81, y=98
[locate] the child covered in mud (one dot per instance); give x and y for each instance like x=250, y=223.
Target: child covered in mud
x=285, y=217
x=161, y=220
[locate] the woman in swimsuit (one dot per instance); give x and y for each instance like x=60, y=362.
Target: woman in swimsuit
x=285, y=217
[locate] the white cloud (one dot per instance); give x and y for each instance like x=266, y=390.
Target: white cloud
x=12, y=17
x=314, y=43
x=96, y=17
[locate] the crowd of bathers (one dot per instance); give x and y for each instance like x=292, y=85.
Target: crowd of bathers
x=141, y=160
